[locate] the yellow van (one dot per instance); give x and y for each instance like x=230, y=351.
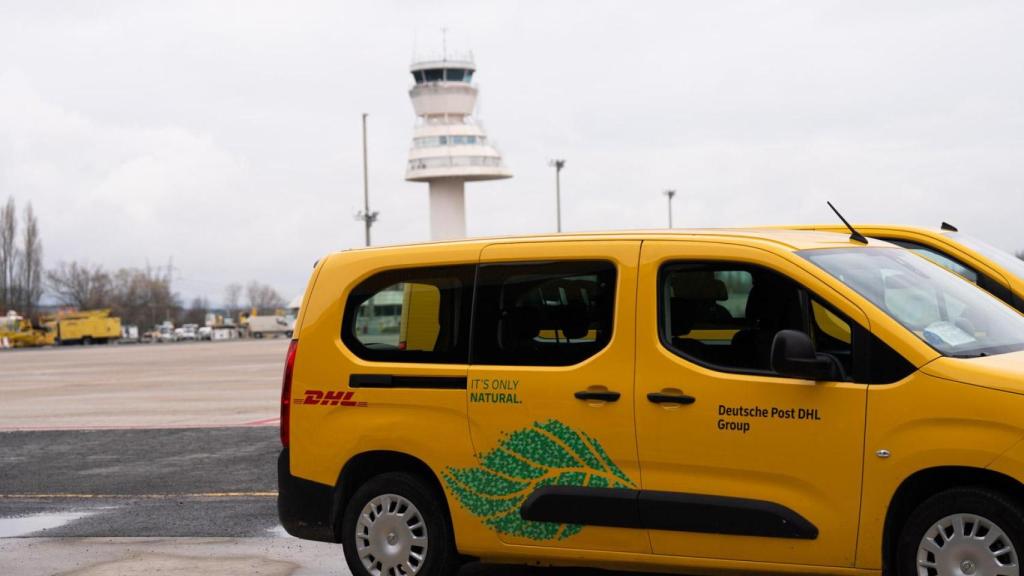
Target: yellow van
x=698, y=402
x=995, y=270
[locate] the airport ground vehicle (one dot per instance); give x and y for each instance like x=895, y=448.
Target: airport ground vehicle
x=276, y=325
x=995, y=270
x=702, y=402
x=18, y=332
x=84, y=327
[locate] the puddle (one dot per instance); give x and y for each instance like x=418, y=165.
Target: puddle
x=25, y=525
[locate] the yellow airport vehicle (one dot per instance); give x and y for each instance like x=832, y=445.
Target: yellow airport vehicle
x=995, y=270
x=697, y=402
x=18, y=332
x=85, y=327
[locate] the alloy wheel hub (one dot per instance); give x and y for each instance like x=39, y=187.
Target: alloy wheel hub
x=391, y=537
x=966, y=545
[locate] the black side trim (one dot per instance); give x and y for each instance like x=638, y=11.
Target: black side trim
x=722, y=515
x=390, y=381
x=577, y=505
x=303, y=506
x=674, y=511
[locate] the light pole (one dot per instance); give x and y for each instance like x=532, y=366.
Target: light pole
x=558, y=164
x=670, y=194
x=365, y=215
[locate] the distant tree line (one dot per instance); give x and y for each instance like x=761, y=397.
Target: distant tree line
x=21, y=259
x=139, y=296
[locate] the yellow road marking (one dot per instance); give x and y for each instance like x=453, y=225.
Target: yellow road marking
x=143, y=496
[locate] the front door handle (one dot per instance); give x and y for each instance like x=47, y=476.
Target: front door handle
x=603, y=395
x=670, y=398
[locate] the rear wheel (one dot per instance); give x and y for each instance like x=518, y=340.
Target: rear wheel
x=963, y=532
x=395, y=525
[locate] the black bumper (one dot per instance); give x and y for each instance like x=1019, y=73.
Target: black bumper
x=303, y=506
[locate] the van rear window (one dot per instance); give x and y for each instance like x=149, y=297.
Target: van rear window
x=411, y=315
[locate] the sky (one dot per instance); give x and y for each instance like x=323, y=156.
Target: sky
x=225, y=137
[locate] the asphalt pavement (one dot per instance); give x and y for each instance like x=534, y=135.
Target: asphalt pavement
x=152, y=460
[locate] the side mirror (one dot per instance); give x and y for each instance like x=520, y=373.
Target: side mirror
x=793, y=355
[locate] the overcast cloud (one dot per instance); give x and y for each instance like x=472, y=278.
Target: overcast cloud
x=226, y=135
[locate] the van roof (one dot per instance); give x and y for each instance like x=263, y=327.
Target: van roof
x=782, y=238
x=928, y=231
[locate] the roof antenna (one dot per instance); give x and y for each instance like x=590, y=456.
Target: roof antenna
x=854, y=235
x=949, y=227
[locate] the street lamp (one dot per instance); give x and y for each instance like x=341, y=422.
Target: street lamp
x=558, y=165
x=670, y=194
x=367, y=217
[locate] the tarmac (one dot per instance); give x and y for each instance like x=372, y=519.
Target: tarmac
x=152, y=459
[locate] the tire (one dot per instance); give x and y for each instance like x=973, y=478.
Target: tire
x=963, y=531
x=381, y=496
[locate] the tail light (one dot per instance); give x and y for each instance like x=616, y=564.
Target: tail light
x=286, y=393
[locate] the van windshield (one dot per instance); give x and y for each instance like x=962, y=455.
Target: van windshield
x=953, y=316
x=1009, y=262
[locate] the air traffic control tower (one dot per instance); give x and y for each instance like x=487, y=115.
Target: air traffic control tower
x=449, y=147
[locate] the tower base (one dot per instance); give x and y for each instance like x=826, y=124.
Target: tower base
x=447, y=209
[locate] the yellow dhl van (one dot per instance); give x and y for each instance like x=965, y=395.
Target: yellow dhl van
x=991, y=268
x=699, y=402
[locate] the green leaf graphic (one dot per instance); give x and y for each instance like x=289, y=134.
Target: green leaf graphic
x=545, y=454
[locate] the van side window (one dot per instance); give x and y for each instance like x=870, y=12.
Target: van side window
x=542, y=314
x=954, y=266
x=727, y=315
x=984, y=281
x=411, y=315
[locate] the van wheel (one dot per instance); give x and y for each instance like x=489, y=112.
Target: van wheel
x=395, y=525
x=965, y=531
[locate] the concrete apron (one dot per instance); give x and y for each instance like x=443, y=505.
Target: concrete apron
x=177, y=556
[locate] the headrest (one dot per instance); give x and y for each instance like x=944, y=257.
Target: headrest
x=574, y=318
x=698, y=285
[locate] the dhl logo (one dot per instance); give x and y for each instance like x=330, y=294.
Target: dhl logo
x=330, y=398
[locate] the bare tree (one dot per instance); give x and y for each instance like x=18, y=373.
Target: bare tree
x=263, y=297
x=81, y=286
x=8, y=255
x=232, y=298
x=196, y=313
x=31, y=269
x=144, y=296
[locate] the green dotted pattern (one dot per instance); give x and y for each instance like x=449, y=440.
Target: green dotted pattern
x=545, y=454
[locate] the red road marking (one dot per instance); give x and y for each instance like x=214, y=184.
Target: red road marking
x=265, y=422
x=251, y=424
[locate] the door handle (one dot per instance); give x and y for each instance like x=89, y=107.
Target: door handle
x=666, y=398
x=603, y=395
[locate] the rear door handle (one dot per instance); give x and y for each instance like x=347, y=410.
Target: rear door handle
x=665, y=398
x=603, y=395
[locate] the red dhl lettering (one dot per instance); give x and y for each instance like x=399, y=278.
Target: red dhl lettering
x=330, y=398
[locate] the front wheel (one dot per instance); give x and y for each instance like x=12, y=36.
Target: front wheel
x=963, y=532
x=395, y=525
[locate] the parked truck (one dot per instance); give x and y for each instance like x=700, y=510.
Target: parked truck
x=18, y=332
x=278, y=324
x=85, y=327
